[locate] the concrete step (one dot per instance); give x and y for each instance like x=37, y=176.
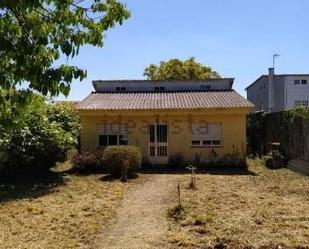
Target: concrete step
x=299, y=166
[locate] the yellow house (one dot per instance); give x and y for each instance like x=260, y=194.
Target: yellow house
x=166, y=118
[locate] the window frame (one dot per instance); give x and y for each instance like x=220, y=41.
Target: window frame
x=195, y=143
x=118, y=142
x=211, y=145
x=297, y=82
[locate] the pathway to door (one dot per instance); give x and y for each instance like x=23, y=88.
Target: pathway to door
x=141, y=218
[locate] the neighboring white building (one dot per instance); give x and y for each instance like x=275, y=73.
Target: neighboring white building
x=278, y=92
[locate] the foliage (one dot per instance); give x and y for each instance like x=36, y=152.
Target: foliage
x=34, y=139
x=35, y=34
x=197, y=161
x=255, y=134
x=87, y=162
x=302, y=112
x=176, y=69
x=289, y=128
x=268, y=161
x=66, y=115
x=118, y=158
x=176, y=161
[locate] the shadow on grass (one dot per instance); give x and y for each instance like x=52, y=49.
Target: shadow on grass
x=85, y=172
x=212, y=170
x=227, y=170
x=162, y=170
x=111, y=178
x=28, y=186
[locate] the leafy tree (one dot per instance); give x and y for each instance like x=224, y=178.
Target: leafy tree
x=176, y=69
x=39, y=136
x=35, y=33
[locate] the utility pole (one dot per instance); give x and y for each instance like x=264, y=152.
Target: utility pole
x=274, y=57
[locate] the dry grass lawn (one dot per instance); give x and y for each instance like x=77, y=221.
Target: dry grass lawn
x=61, y=212
x=260, y=207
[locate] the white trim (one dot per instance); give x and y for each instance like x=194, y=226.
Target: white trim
x=158, y=147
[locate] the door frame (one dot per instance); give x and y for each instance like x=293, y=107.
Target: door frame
x=158, y=151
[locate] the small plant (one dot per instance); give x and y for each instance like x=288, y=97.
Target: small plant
x=197, y=161
x=213, y=155
x=87, y=162
x=121, y=159
x=178, y=191
x=124, y=171
x=192, y=184
x=175, y=212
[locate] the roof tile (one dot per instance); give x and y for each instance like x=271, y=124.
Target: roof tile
x=163, y=100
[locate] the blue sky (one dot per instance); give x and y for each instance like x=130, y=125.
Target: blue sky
x=235, y=37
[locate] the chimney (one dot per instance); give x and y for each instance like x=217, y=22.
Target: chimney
x=271, y=71
x=271, y=74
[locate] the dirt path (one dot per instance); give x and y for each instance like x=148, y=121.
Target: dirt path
x=141, y=218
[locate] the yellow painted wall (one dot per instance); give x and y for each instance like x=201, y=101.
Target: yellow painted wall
x=179, y=130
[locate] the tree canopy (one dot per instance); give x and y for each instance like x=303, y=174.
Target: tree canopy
x=35, y=33
x=40, y=135
x=176, y=69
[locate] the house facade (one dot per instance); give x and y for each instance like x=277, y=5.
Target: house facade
x=165, y=118
x=279, y=92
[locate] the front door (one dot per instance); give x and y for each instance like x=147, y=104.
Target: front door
x=158, y=144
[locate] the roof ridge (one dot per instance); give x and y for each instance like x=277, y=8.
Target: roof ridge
x=148, y=80
x=170, y=91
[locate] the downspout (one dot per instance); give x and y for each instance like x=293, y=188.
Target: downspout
x=271, y=74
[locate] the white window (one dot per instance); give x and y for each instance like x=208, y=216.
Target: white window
x=304, y=103
x=112, y=134
x=296, y=82
x=206, y=134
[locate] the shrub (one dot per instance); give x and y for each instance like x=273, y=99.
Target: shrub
x=87, y=162
x=116, y=159
x=268, y=161
x=31, y=138
x=176, y=161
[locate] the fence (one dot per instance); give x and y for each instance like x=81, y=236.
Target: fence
x=289, y=128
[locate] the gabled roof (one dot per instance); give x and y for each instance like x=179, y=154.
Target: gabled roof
x=262, y=76
x=277, y=75
x=164, y=100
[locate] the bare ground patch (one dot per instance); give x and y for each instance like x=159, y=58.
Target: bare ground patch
x=260, y=207
x=141, y=219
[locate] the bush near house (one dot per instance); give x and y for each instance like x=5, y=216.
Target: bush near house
x=37, y=135
x=87, y=162
x=123, y=157
x=177, y=161
x=289, y=128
